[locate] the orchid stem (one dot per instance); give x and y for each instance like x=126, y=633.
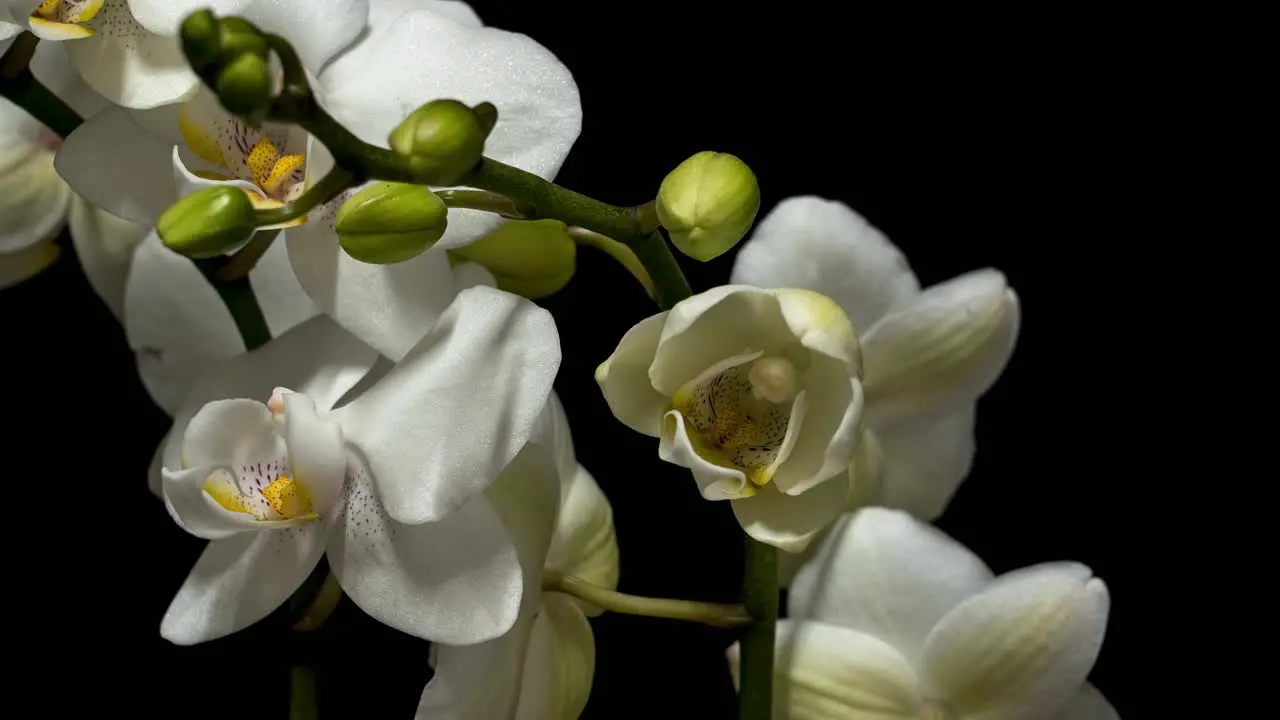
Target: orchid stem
x=246, y=258
x=303, y=704
x=718, y=615
x=487, y=201
x=243, y=305
x=760, y=597
x=20, y=87
x=337, y=180
x=625, y=256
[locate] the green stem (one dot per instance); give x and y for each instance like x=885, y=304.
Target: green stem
x=625, y=256
x=718, y=615
x=243, y=305
x=246, y=258
x=487, y=201
x=302, y=694
x=668, y=280
x=756, y=646
x=20, y=87
x=337, y=180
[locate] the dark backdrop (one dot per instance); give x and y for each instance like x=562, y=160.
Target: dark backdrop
x=967, y=145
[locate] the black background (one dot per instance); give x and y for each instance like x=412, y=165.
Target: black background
x=969, y=146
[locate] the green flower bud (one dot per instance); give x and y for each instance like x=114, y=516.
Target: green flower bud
x=444, y=139
x=533, y=258
x=707, y=204
x=208, y=223
x=390, y=222
x=244, y=85
x=238, y=37
x=487, y=114
x=201, y=39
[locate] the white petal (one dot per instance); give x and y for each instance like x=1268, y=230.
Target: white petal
x=703, y=330
x=440, y=427
x=941, y=352
x=234, y=431
x=924, y=460
x=317, y=29
x=552, y=431
x=585, y=544
x=116, y=165
x=283, y=302
x=8, y=30
x=1087, y=704
x=456, y=10
x=388, y=306
x=559, y=663
x=317, y=358
x=33, y=199
x=470, y=682
x=175, y=322
x=194, y=510
x=823, y=245
x=470, y=274
x=826, y=672
x=129, y=65
x=28, y=262
x=790, y=522
x=316, y=455
x=105, y=245
x=624, y=378
x=886, y=574
x=423, y=55
x=240, y=579
x=827, y=437
x=163, y=17
x=52, y=66
x=457, y=580
x=715, y=482
x=1021, y=648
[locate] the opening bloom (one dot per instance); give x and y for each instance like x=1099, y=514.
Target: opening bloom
x=757, y=392
x=893, y=619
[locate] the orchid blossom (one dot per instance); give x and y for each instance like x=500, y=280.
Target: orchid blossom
x=389, y=484
x=128, y=51
x=542, y=668
x=893, y=619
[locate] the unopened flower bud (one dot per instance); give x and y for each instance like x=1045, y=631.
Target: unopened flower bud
x=201, y=39
x=444, y=139
x=237, y=37
x=207, y=223
x=244, y=85
x=533, y=258
x=390, y=222
x=487, y=114
x=707, y=204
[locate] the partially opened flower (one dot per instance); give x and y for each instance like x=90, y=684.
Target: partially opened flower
x=927, y=355
x=413, y=54
x=542, y=669
x=893, y=619
x=390, y=484
x=758, y=393
x=33, y=199
x=128, y=50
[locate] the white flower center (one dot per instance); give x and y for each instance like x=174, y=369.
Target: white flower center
x=240, y=152
x=741, y=415
x=67, y=11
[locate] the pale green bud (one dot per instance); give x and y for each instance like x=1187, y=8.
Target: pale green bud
x=533, y=258
x=208, y=223
x=390, y=222
x=444, y=139
x=707, y=204
x=244, y=85
x=201, y=38
x=237, y=36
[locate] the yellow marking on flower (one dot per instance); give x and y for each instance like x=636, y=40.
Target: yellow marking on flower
x=67, y=11
x=227, y=495
x=287, y=497
x=53, y=30
x=89, y=9
x=203, y=144
x=47, y=8
x=281, y=171
x=262, y=159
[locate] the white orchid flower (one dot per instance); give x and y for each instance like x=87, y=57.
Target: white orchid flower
x=174, y=319
x=128, y=50
x=33, y=199
x=389, y=485
x=416, y=52
x=758, y=393
x=927, y=355
x=542, y=669
x=893, y=619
